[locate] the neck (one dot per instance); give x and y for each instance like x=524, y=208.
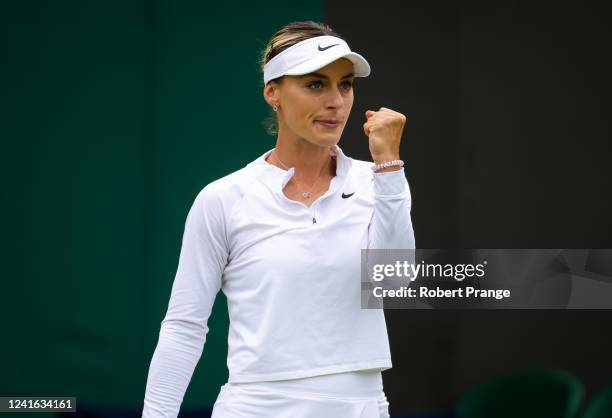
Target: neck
x=310, y=161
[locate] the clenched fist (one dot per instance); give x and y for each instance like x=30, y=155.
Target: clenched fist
x=384, y=129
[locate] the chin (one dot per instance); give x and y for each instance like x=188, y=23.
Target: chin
x=323, y=139
x=327, y=139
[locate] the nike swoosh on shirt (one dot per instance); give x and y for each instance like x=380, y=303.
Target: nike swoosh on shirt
x=345, y=196
x=326, y=47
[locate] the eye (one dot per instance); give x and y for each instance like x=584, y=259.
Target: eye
x=315, y=83
x=347, y=85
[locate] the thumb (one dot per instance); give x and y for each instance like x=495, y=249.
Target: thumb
x=369, y=113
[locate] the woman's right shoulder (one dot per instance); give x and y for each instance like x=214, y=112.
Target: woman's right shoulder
x=229, y=188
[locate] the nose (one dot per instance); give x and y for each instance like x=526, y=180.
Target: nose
x=335, y=99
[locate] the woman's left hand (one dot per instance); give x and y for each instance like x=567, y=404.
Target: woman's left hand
x=384, y=129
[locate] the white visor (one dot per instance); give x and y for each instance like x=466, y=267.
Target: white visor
x=310, y=55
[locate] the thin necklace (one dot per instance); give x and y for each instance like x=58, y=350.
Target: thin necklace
x=306, y=195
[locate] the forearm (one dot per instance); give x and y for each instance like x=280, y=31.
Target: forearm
x=391, y=225
x=177, y=353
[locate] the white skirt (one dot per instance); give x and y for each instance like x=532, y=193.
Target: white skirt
x=357, y=394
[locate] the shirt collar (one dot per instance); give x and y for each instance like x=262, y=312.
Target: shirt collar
x=277, y=178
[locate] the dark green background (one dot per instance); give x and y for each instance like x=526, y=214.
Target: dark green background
x=115, y=115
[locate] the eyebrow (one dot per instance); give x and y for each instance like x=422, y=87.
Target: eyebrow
x=326, y=77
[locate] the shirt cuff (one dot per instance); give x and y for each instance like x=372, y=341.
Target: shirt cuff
x=390, y=183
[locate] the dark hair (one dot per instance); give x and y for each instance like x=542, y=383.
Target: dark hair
x=284, y=38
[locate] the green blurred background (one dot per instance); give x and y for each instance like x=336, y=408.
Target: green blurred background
x=115, y=115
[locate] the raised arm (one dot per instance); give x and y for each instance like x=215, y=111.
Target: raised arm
x=184, y=328
x=391, y=226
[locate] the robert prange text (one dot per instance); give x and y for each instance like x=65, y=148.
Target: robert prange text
x=437, y=292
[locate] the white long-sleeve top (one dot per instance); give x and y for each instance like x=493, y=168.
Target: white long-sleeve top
x=291, y=275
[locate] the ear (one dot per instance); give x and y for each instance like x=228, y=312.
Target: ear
x=271, y=93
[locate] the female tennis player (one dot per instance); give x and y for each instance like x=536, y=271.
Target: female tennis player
x=282, y=238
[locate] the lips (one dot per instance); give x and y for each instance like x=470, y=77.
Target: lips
x=329, y=123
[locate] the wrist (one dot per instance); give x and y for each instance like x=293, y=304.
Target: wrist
x=383, y=158
x=392, y=165
x=386, y=169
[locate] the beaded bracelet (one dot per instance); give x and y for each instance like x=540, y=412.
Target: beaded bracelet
x=377, y=167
